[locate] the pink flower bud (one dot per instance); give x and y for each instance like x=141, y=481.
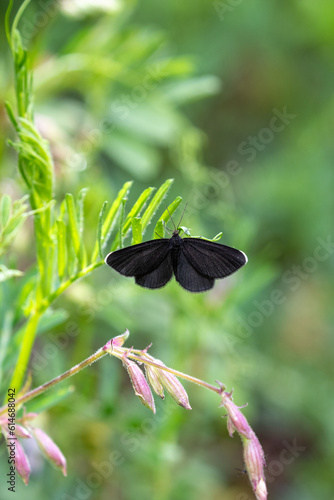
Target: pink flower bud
x=21, y=431
x=253, y=452
x=173, y=386
x=152, y=375
x=236, y=421
x=139, y=383
x=254, y=463
x=16, y=451
x=21, y=463
x=50, y=450
x=116, y=341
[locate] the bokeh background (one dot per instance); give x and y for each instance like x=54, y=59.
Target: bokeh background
x=234, y=100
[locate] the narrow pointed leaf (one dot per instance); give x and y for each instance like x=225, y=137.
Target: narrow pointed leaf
x=136, y=231
x=74, y=229
x=73, y=222
x=99, y=238
x=61, y=239
x=165, y=217
x=12, y=116
x=6, y=331
x=80, y=209
x=5, y=209
x=157, y=199
x=13, y=225
x=110, y=219
x=159, y=230
x=135, y=210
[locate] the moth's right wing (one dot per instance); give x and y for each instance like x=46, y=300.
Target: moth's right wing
x=141, y=259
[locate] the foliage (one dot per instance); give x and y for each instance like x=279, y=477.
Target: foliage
x=246, y=59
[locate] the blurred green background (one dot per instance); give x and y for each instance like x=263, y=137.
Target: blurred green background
x=234, y=100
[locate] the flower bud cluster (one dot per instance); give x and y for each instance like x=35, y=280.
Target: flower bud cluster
x=252, y=451
x=158, y=376
x=25, y=431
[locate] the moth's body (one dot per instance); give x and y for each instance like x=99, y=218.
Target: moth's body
x=195, y=262
x=175, y=244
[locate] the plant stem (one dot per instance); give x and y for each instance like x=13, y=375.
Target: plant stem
x=48, y=301
x=72, y=371
x=25, y=350
x=189, y=378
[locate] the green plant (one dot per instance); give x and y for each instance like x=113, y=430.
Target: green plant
x=63, y=257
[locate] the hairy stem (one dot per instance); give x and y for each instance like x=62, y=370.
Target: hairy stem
x=130, y=353
x=44, y=387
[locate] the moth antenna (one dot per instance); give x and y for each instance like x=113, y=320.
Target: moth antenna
x=182, y=214
x=167, y=229
x=170, y=216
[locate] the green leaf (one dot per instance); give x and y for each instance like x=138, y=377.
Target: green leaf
x=13, y=225
x=11, y=116
x=61, y=240
x=5, y=209
x=132, y=155
x=80, y=209
x=111, y=218
x=19, y=14
x=159, y=228
x=4, y=340
x=137, y=235
x=20, y=204
x=74, y=229
x=7, y=17
x=99, y=238
x=135, y=210
x=120, y=233
x=192, y=89
x=215, y=238
x=157, y=199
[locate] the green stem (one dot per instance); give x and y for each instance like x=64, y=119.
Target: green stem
x=48, y=301
x=25, y=350
x=42, y=388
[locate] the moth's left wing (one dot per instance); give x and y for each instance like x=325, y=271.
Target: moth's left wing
x=212, y=259
x=139, y=259
x=159, y=277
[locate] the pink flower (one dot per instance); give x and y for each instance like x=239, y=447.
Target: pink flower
x=16, y=452
x=171, y=383
x=139, y=383
x=22, y=431
x=255, y=462
x=50, y=450
x=252, y=449
x=236, y=421
x=21, y=463
x=152, y=375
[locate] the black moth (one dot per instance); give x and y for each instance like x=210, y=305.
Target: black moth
x=195, y=262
